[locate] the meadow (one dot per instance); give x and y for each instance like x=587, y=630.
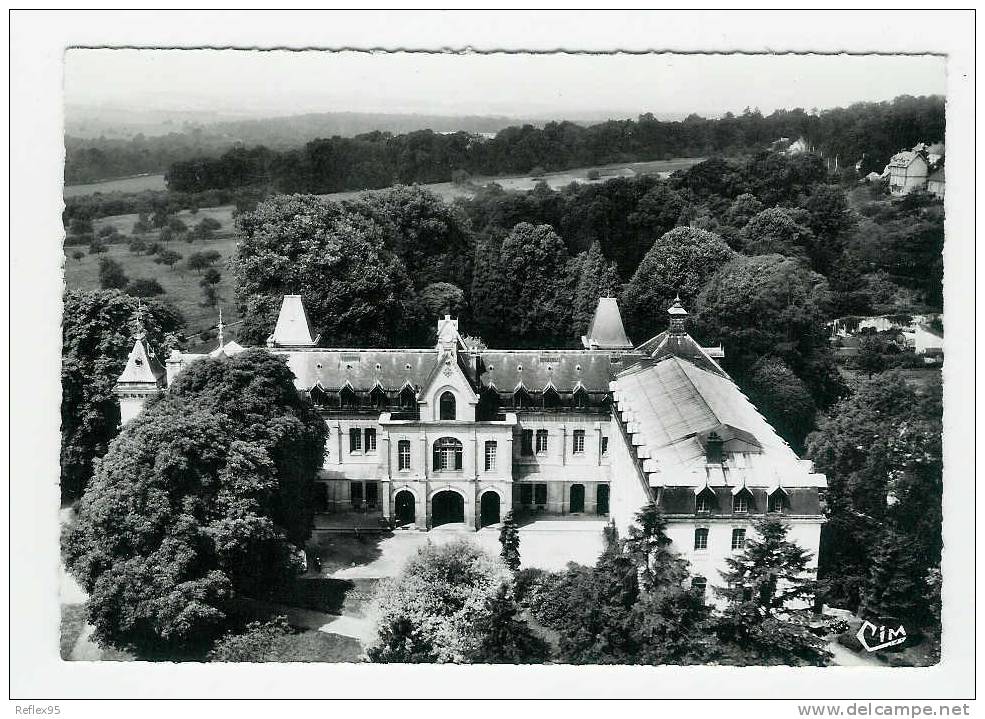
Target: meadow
x=138, y=183
x=180, y=284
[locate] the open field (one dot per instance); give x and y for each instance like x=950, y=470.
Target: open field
x=124, y=184
x=180, y=284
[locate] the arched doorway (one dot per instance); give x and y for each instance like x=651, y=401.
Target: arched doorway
x=577, y=501
x=489, y=509
x=447, y=507
x=446, y=406
x=602, y=499
x=404, y=507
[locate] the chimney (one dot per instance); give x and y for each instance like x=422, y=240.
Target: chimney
x=678, y=317
x=713, y=448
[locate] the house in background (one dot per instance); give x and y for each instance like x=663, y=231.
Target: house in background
x=907, y=172
x=929, y=343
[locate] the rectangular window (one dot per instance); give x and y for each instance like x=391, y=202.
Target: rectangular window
x=701, y=538
x=740, y=505
x=578, y=441
x=541, y=441
x=370, y=440
x=403, y=454
x=738, y=538
x=605, y=446
x=356, y=492
x=699, y=585
x=540, y=494
x=371, y=493
x=355, y=440
x=490, y=456
x=527, y=442
x=526, y=494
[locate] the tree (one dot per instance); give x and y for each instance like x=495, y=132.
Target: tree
x=537, y=297
x=597, y=278
x=111, y=275
x=80, y=226
x=77, y=255
x=206, y=228
x=199, y=261
x=881, y=451
x=144, y=288
x=430, y=236
x=870, y=355
x=169, y=258
x=177, y=226
x=657, y=212
x=256, y=643
x=509, y=538
x=137, y=246
x=679, y=263
x=743, y=208
x=97, y=247
x=782, y=398
x=832, y=223
x=431, y=611
x=202, y=499
x=442, y=298
x=771, y=305
x=896, y=585
x=505, y=639
x=761, y=583
x=777, y=231
x=356, y=291
x=97, y=336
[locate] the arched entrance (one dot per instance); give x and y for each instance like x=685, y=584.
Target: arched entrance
x=447, y=507
x=404, y=507
x=602, y=499
x=489, y=509
x=577, y=501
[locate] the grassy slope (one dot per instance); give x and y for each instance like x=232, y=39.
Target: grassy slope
x=180, y=284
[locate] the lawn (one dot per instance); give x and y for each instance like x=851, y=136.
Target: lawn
x=180, y=284
x=312, y=645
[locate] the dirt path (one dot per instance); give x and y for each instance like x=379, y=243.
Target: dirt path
x=844, y=657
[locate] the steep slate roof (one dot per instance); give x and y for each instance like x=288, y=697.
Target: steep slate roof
x=903, y=159
x=360, y=368
x=606, y=330
x=142, y=367
x=565, y=369
x=671, y=405
x=293, y=328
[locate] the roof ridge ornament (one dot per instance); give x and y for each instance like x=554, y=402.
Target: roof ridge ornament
x=678, y=317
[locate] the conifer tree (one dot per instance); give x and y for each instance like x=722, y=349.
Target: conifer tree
x=760, y=584
x=509, y=538
x=895, y=587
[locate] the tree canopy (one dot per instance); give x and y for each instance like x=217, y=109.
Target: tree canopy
x=202, y=498
x=357, y=292
x=98, y=331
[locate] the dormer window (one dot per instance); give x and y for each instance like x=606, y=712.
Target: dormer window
x=446, y=406
x=705, y=502
x=378, y=397
x=408, y=398
x=348, y=398
x=551, y=398
x=742, y=501
x=521, y=399
x=777, y=501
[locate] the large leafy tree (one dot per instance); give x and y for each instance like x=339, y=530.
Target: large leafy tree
x=762, y=584
x=783, y=399
x=777, y=231
x=771, y=305
x=537, y=292
x=431, y=611
x=679, y=263
x=202, y=498
x=356, y=291
x=881, y=451
x=98, y=331
x=430, y=236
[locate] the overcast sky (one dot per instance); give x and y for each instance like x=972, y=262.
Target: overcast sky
x=284, y=82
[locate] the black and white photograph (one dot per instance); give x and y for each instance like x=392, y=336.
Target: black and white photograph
x=370, y=354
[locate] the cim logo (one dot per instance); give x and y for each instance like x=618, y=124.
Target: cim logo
x=874, y=638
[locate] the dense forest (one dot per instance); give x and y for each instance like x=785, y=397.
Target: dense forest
x=246, y=154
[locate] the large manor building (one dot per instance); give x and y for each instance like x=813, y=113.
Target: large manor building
x=452, y=434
